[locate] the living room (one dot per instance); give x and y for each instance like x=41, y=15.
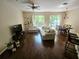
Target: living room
x=46, y=17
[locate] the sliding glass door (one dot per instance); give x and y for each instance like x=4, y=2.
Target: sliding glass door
x=54, y=20
x=38, y=20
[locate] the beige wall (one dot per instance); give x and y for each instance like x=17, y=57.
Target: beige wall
x=9, y=15
x=46, y=14
x=73, y=19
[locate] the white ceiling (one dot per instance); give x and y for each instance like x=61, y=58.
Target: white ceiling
x=48, y=5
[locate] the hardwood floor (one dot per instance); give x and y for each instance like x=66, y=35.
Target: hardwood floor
x=35, y=48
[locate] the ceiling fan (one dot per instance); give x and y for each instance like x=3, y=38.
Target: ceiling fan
x=32, y=4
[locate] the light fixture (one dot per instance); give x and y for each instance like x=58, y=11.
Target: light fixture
x=63, y=5
x=66, y=13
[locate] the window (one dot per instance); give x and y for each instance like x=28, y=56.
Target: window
x=38, y=20
x=54, y=20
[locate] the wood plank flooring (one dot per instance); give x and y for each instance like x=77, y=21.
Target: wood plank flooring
x=35, y=48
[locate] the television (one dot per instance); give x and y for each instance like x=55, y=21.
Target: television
x=16, y=28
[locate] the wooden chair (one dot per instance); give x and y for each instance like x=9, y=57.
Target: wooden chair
x=72, y=40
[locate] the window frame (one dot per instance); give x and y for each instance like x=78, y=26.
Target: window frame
x=33, y=18
x=51, y=16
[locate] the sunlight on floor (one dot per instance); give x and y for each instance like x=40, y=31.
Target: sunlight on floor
x=56, y=33
x=38, y=39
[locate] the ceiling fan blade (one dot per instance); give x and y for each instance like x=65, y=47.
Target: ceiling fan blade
x=36, y=9
x=32, y=4
x=26, y=2
x=37, y=6
x=29, y=5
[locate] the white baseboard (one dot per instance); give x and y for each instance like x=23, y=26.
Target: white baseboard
x=76, y=47
x=5, y=48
